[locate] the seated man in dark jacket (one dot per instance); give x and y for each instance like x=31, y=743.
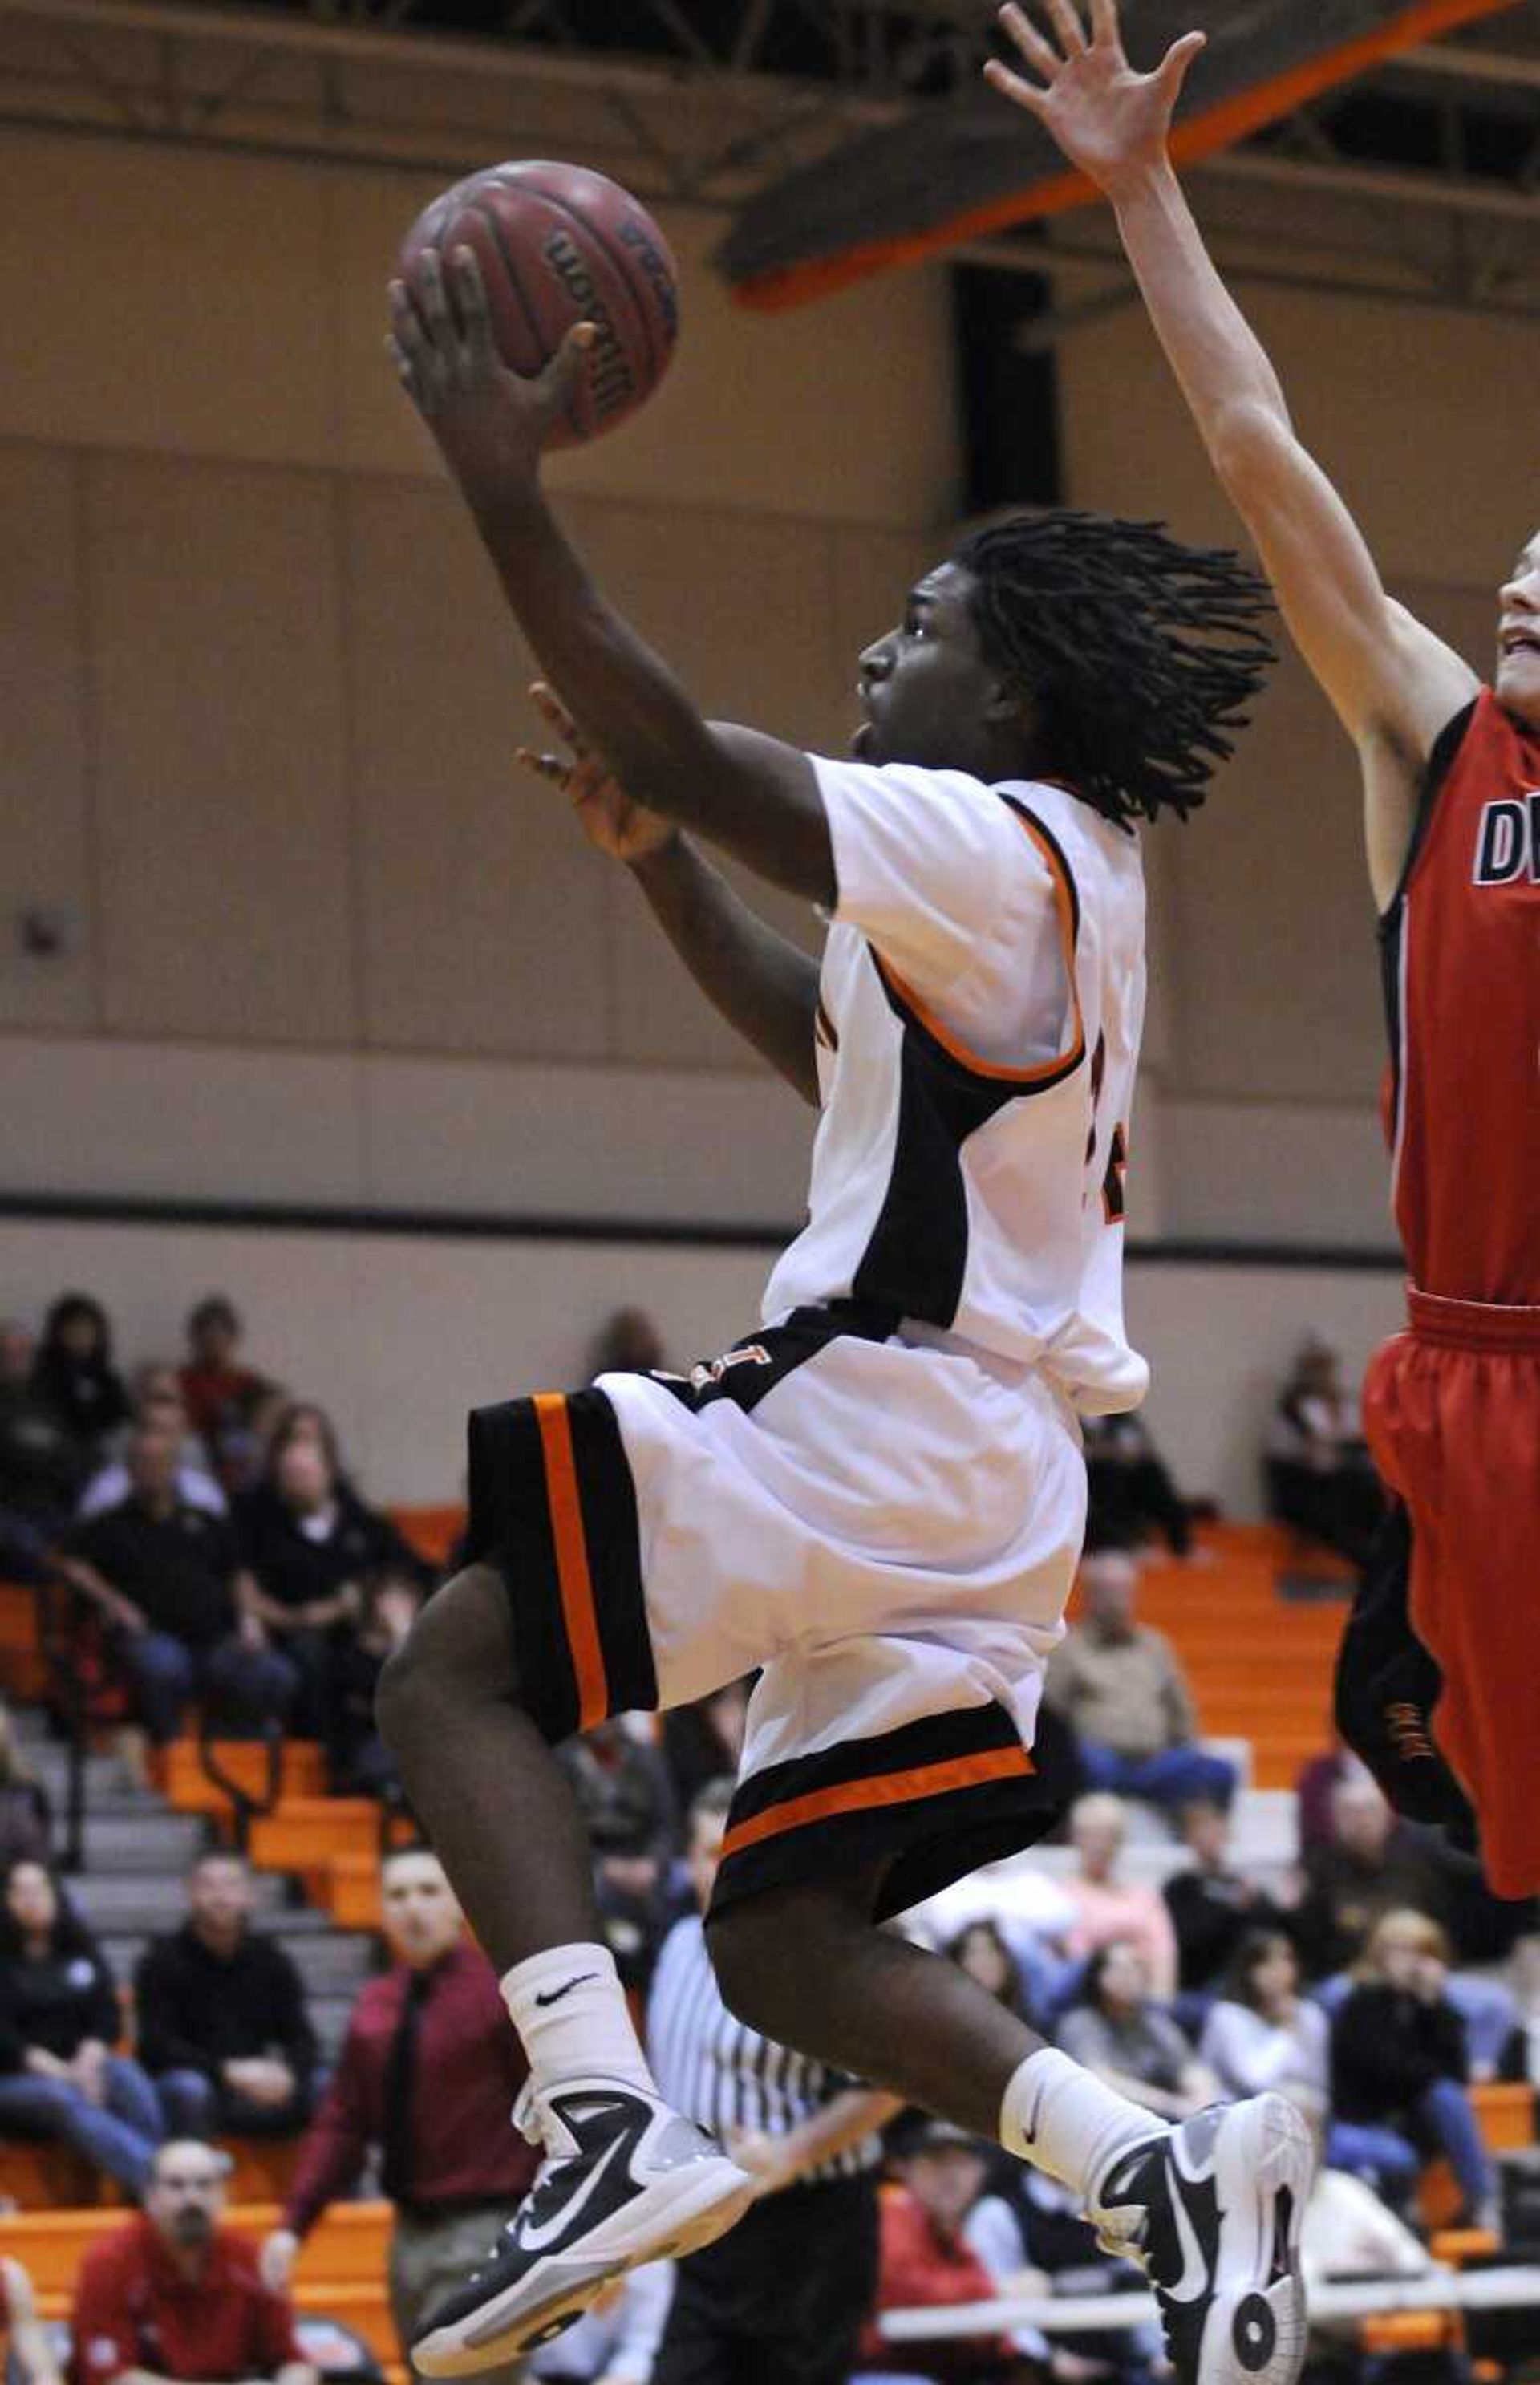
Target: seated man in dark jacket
x=168, y=1580
x=222, y=2023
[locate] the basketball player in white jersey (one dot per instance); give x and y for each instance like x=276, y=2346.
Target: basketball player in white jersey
x=878, y=1497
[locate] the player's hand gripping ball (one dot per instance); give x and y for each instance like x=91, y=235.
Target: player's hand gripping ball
x=559, y=245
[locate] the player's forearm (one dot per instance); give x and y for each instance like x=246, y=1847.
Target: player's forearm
x=1224, y=372
x=763, y=986
x=754, y=796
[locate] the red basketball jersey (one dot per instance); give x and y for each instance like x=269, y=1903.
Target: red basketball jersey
x=1461, y=954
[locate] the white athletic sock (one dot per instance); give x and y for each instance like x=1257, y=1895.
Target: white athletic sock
x=570, y=2011
x=1061, y=2118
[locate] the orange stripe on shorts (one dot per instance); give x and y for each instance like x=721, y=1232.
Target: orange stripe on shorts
x=578, y=1612
x=889, y=1788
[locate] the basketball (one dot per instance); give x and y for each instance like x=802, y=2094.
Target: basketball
x=558, y=245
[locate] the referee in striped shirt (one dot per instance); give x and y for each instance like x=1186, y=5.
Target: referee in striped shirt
x=785, y=2292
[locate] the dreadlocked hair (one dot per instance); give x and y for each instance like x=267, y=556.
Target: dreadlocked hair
x=1139, y=652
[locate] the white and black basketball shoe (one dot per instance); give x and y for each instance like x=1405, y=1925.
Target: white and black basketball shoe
x=625, y=2180
x=1212, y=2209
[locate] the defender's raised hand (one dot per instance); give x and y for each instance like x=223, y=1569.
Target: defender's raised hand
x=625, y=830
x=1109, y=120
x=489, y=421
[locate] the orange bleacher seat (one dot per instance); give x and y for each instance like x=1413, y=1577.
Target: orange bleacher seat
x=302, y=1831
x=181, y=1777
x=44, y=2176
x=262, y=2168
x=23, y=1673
x=1410, y=2331
x=432, y=1531
x=348, y=1887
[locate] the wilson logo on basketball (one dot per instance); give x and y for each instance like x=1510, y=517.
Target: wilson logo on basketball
x=644, y=249
x=611, y=381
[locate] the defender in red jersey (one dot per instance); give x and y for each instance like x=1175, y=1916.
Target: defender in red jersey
x=1438, y=1686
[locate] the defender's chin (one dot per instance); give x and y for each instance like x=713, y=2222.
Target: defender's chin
x=863, y=745
x=1518, y=686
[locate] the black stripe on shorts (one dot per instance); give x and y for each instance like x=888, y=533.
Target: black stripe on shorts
x=939, y=1797
x=553, y=1508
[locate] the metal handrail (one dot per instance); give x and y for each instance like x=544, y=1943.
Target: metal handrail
x=56, y=1636
x=245, y=1808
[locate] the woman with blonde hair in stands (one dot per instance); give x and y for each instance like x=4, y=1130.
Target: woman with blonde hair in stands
x=1399, y=2067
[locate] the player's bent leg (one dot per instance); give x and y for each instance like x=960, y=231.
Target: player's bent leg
x=477, y=1772
x=624, y=2179
x=1211, y=2208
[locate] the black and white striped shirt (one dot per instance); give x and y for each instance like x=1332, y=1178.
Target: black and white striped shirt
x=724, y=2076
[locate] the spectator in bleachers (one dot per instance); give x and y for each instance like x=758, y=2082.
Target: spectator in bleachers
x=1108, y=1909
x=626, y=1798
x=1123, y=2034
x=703, y=1741
x=1370, y=1865
x=73, y=1373
x=983, y=1951
x=60, y=2022
x=1120, y=1687
x=627, y=1342
x=178, y=1601
x=1130, y=1494
x=1031, y=2235
x=359, y=1762
x=1399, y=2069
x=157, y=1407
x=225, y=1400
x=427, y=2074
x=1212, y=1906
x=312, y=1544
x=1262, y=2033
x=1314, y=1787
x=26, y=1818
x=1321, y=1479
x=926, y=2262
x=223, y=2028
x=784, y=2294
x=40, y=1464
x=174, y=2295
x=33, y=2357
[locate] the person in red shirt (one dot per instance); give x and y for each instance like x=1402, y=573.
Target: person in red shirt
x=174, y=2295
x=926, y=2262
x=428, y=2070
x=1438, y=1689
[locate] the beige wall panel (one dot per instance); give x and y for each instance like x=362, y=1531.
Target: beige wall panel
x=844, y=411
x=161, y=299
x=217, y=684
x=1270, y=1171
x=740, y=609
x=44, y=791
x=1424, y=417
x=181, y=1121
x=482, y=908
x=1275, y=988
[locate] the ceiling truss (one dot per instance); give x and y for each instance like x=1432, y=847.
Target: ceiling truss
x=1420, y=185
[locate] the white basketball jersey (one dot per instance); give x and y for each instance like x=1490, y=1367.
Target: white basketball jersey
x=981, y=1003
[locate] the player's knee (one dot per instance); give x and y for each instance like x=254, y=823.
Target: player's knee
x=747, y=1951
x=459, y=1652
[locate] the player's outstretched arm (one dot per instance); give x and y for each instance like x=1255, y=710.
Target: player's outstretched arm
x=764, y=986
x=753, y=796
x=1393, y=684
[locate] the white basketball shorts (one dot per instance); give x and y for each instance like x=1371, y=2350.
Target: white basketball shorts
x=887, y=1531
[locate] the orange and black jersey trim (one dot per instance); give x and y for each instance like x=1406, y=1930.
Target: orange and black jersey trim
x=938, y=1797
x=916, y=1258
